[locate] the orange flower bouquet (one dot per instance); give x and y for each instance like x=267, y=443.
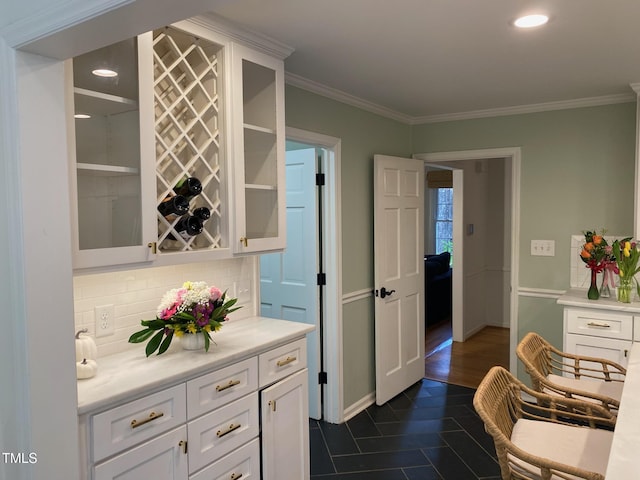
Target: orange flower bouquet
x=596, y=254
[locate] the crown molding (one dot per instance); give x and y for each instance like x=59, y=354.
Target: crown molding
x=635, y=87
x=340, y=96
x=235, y=32
x=532, y=108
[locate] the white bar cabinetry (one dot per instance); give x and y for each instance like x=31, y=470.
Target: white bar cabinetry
x=602, y=328
x=208, y=427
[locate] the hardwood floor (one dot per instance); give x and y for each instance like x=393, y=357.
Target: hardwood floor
x=464, y=363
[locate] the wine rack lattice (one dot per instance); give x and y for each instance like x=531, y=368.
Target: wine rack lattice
x=187, y=132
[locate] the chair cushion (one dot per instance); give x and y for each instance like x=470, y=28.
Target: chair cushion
x=610, y=389
x=581, y=447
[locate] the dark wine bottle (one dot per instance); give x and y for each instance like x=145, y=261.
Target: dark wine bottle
x=173, y=207
x=203, y=213
x=188, y=226
x=188, y=187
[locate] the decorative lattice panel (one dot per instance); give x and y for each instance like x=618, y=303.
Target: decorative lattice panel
x=187, y=132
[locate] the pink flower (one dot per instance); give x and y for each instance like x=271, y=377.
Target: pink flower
x=215, y=293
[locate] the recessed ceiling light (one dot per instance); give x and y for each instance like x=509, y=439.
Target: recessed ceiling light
x=104, y=72
x=529, y=21
x=81, y=115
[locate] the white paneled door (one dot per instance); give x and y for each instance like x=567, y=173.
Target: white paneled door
x=399, y=274
x=288, y=281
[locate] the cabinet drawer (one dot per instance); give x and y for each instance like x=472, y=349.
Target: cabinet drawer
x=162, y=458
x=134, y=422
x=244, y=463
x=282, y=361
x=222, y=431
x=599, y=324
x=221, y=387
x=588, y=346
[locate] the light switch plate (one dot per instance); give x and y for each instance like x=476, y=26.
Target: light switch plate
x=543, y=248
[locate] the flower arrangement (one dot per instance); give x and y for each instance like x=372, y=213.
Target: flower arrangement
x=596, y=253
x=626, y=255
x=193, y=309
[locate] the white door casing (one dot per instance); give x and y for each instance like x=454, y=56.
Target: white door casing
x=288, y=280
x=399, y=270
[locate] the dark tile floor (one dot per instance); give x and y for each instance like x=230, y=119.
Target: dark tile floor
x=430, y=431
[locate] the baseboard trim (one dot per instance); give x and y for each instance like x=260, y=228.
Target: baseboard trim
x=359, y=406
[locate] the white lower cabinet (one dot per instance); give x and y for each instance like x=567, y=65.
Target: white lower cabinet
x=285, y=440
x=209, y=427
x=599, y=333
x=162, y=458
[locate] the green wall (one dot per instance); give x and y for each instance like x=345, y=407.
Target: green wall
x=363, y=135
x=577, y=173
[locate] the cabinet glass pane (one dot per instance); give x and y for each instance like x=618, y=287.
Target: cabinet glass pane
x=107, y=132
x=259, y=95
x=261, y=212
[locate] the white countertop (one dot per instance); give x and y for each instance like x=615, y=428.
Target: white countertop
x=623, y=457
x=131, y=374
x=577, y=297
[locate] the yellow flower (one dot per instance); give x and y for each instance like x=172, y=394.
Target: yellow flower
x=621, y=273
x=207, y=328
x=626, y=251
x=191, y=328
x=187, y=285
x=177, y=332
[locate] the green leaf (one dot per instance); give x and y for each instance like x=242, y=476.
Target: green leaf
x=141, y=336
x=207, y=341
x=154, y=343
x=154, y=324
x=166, y=342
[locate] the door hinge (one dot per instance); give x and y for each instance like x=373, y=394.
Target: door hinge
x=320, y=179
x=322, y=279
x=322, y=378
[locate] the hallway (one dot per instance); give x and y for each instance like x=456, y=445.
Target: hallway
x=464, y=363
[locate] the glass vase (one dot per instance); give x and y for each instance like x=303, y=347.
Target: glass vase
x=593, y=293
x=607, y=282
x=625, y=290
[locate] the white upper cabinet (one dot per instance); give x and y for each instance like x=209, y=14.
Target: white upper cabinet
x=111, y=149
x=259, y=149
x=187, y=107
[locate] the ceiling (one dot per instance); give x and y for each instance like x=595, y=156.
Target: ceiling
x=429, y=60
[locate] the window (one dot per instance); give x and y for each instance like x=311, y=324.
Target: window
x=444, y=220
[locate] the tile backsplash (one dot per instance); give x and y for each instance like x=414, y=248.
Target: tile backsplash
x=135, y=294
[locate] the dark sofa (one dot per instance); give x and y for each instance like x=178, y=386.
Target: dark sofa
x=437, y=284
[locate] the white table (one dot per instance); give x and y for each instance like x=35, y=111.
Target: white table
x=624, y=458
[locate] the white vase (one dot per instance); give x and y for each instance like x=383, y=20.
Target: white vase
x=192, y=341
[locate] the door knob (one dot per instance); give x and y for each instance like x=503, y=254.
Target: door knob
x=386, y=293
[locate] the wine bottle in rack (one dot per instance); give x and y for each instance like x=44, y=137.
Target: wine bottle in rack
x=173, y=207
x=188, y=187
x=188, y=226
x=203, y=213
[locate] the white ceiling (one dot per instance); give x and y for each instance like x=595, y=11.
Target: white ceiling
x=437, y=59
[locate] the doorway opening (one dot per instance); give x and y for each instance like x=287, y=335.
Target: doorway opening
x=485, y=273
x=303, y=283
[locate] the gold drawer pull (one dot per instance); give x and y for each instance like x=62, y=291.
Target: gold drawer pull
x=232, y=427
x=135, y=423
x=596, y=324
x=272, y=404
x=232, y=383
x=235, y=476
x=244, y=241
x=286, y=361
x=183, y=444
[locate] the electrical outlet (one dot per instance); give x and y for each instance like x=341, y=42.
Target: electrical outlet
x=243, y=291
x=105, y=320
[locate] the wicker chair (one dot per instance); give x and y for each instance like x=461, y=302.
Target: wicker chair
x=575, y=376
x=542, y=441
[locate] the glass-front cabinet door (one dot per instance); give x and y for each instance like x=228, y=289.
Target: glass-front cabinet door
x=259, y=131
x=110, y=105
